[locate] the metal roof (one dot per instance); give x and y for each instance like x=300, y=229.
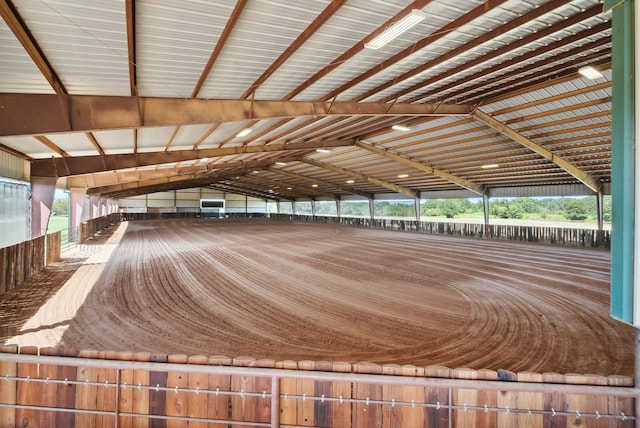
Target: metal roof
x=118, y=96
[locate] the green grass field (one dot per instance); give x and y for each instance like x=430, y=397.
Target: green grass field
x=58, y=222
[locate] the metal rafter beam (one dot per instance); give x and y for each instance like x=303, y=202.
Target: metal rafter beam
x=327, y=13
x=130, y=9
x=79, y=165
x=119, y=177
x=220, y=43
x=81, y=113
x=504, y=50
x=394, y=187
x=579, y=174
x=161, y=184
x=251, y=180
x=20, y=30
x=353, y=50
x=470, y=185
x=239, y=190
x=295, y=187
x=322, y=182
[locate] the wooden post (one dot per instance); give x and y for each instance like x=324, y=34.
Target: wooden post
x=465, y=398
x=48, y=390
x=306, y=388
x=367, y=414
x=27, y=392
x=437, y=417
x=8, y=388
x=125, y=392
x=86, y=394
x=177, y=401
x=219, y=405
x=530, y=401
x=157, y=395
x=140, y=397
x=197, y=401
x=288, y=406
x=554, y=401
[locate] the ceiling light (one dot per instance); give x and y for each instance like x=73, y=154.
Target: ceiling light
x=256, y=171
x=350, y=181
x=314, y=185
x=395, y=29
x=489, y=166
x=244, y=132
x=403, y=175
x=281, y=163
x=402, y=128
x=590, y=72
x=323, y=150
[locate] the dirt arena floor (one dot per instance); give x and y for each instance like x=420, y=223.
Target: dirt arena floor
x=299, y=291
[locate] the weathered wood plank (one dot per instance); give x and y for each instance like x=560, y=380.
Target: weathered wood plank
x=8, y=388
x=140, y=396
x=177, y=401
x=27, y=391
x=197, y=401
x=219, y=404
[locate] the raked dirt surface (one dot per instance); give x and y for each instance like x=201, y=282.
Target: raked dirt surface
x=300, y=291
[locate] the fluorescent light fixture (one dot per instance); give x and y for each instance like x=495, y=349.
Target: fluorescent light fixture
x=281, y=163
x=256, y=171
x=314, y=185
x=323, y=150
x=350, y=181
x=244, y=132
x=489, y=166
x=590, y=72
x=395, y=29
x=403, y=175
x=402, y=128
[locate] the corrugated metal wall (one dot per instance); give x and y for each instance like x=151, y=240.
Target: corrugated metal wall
x=14, y=167
x=188, y=200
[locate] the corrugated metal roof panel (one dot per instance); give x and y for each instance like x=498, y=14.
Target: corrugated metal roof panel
x=85, y=43
x=18, y=73
x=115, y=141
x=29, y=146
x=174, y=42
x=264, y=30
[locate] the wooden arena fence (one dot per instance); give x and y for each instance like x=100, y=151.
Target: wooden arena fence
x=57, y=387
x=89, y=228
x=542, y=234
x=21, y=261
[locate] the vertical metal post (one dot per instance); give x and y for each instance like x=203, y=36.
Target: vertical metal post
x=275, y=402
x=600, y=209
x=485, y=206
x=371, y=210
x=623, y=178
x=417, y=201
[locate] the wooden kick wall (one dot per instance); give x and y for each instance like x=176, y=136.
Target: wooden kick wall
x=542, y=234
x=90, y=227
x=21, y=261
x=43, y=394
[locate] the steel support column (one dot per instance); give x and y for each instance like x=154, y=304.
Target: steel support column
x=43, y=190
x=623, y=177
x=75, y=212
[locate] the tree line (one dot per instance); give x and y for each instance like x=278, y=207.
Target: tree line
x=507, y=208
